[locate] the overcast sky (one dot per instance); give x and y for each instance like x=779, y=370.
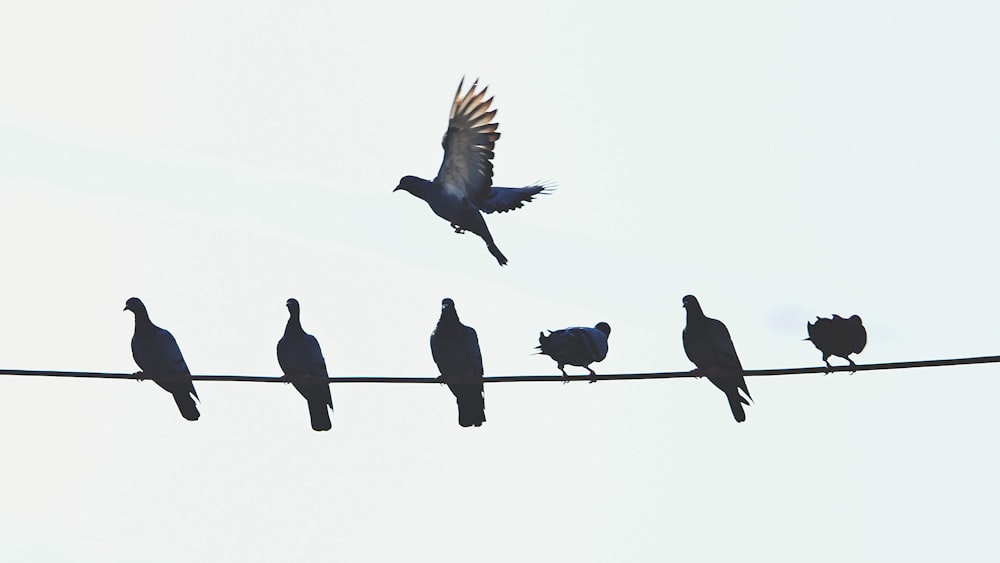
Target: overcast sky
x=778, y=160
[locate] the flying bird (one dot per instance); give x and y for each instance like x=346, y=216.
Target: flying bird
x=838, y=337
x=708, y=345
x=455, y=348
x=158, y=356
x=463, y=188
x=576, y=346
x=302, y=362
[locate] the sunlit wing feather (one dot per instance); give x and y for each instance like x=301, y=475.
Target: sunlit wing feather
x=468, y=143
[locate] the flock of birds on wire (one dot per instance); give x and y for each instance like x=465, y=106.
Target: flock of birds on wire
x=462, y=191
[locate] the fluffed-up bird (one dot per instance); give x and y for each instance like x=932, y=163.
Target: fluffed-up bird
x=838, y=337
x=302, y=362
x=156, y=353
x=708, y=345
x=576, y=346
x=463, y=188
x=455, y=348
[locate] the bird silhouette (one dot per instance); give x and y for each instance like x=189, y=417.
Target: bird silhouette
x=576, y=346
x=302, y=362
x=838, y=336
x=455, y=348
x=463, y=188
x=158, y=356
x=708, y=345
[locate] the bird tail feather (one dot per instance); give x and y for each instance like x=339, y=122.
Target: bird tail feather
x=735, y=404
x=319, y=416
x=186, y=405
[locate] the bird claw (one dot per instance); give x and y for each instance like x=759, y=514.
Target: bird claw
x=139, y=376
x=458, y=230
x=593, y=376
x=565, y=376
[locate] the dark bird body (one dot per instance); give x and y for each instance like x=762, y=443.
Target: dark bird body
x=576, y=346
x=156, y=353
x=708, y=345
x=455, y=348
x=463, y=188
x=301, y=360
x=838, y=337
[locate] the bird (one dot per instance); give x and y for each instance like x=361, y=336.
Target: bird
x=463, y=189
x=302, y=362
x=576, y=346
x=158, y=356
x=709, y=347
x=838, y=336
x=455, y=348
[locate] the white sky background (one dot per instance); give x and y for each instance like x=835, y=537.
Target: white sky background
x=779, y=161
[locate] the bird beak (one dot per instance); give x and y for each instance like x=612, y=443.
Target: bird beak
x=397, y=188
x=126, y=308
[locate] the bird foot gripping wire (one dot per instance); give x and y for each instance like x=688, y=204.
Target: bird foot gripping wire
x=139, y=376
x=458, y=230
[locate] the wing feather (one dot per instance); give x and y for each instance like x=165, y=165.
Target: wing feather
x=468, y=145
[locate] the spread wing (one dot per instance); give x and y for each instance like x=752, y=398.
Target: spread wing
x=466, y=170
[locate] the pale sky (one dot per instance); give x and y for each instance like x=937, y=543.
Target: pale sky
x=778, y=160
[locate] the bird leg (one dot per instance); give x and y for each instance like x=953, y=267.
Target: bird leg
x=593, y=376
x=853, y=365
x=458, y=229
x=565, y=376
x=828, y=366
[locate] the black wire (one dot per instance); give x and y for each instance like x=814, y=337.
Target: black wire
x=527, y=378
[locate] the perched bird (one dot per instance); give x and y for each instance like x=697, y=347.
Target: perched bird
x=156, y=352
x=838, y=337
x=302, y=362
x=576, y=346
x=463, y=186
x=708, y=345
x=455, y=348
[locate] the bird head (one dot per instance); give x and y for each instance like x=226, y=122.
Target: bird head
x=134, y=304
x=447, y=303
x=408, y=183
x=293, y=306
x=603, y=327
x=855, y=319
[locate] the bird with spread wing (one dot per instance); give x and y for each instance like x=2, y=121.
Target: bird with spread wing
x=463, y=188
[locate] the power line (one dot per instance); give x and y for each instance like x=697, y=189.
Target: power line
x=528, y=378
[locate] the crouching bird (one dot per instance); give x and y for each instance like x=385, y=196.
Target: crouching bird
x=838, y=337
x=301, y=360
x=708, y=345
x=576, y=346
x=455, y=348
x=463, y=189
x=156, y=353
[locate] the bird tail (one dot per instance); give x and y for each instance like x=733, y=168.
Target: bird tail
x=496, y=253
x=186, y=405
x=471, y=407
x=319, y=416
x=736, y=405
